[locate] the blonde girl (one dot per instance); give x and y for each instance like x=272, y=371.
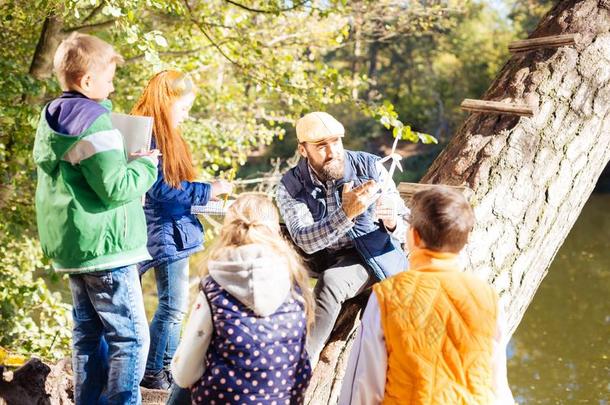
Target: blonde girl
x=245, y=338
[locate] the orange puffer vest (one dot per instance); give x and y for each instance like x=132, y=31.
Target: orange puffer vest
x=439, y=325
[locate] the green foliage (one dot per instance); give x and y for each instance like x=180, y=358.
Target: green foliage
x=428, y=75
x=526, y=13
x=422, y=73
x=32, y=319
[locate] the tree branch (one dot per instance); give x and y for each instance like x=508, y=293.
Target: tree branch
x=209, y=38
x=177, y=19
x=90, y=27
x=277, y=118
x=50, y=37
x=245, y=69
x=282, y=38
x=94, y=12
x=134, y=59
x=258, y=10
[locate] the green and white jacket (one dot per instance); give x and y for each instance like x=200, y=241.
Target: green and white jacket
x=88, y=198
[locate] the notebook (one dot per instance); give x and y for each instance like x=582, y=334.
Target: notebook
x=136, y=131
x=212, y=208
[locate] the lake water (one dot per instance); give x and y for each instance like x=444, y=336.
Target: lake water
x=560, y=353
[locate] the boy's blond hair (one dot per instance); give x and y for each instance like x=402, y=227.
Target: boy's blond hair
x=79, y=54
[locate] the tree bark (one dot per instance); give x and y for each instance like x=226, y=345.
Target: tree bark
x=50, y=37
x=41, y=68
x=356, y=61
x=373, y=54
x=530, y=176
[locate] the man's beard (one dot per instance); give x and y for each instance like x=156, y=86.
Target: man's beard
x=332, y=170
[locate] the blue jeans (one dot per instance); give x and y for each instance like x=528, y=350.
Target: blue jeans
x=110, y=338
x=172, y=290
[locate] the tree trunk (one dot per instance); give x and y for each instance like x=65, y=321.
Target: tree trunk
x=41, y=67
x=357, y=29
x=373, y=55
x=530, y=176
x=50, y=37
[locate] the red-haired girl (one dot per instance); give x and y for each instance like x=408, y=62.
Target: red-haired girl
x=173, y=232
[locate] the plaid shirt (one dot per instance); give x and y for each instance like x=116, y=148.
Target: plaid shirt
x=330, y=232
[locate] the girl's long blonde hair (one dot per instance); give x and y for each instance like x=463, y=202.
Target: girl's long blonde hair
x=254, y=219
x=156, y=101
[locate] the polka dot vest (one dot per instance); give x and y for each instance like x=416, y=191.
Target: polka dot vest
x=251, y=359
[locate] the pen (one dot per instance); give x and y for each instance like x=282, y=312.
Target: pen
x=231, y=177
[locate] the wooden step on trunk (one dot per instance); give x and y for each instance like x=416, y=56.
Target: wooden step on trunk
x=552, y=41
x=497, y=107
x=407, y=190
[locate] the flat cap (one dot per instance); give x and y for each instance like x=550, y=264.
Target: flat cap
x=318, y=126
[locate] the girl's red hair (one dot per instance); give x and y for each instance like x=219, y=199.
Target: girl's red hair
x=156, y=101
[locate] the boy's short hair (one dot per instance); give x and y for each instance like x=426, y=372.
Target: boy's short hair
x=443, y=218
x=80, y=53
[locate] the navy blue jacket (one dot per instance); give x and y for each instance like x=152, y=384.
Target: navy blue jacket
x=173, y=232
x=381, y=253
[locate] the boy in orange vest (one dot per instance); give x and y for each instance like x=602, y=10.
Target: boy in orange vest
x=432, y=335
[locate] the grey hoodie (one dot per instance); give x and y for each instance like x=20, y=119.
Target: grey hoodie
x=246, y=272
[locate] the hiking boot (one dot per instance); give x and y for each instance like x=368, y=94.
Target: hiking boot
x=156, y=381
x=169, y=376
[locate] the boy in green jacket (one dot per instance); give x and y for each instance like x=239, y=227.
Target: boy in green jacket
x=91, y=223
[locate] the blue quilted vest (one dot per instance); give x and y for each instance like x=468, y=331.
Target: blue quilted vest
x=252, y=359
x=381, y=253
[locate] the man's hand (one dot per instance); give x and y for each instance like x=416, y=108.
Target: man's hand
x=220, y=187
x=357, y=200
x=385, y=210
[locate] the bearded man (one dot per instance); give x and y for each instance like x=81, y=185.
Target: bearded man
x=337, y=212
